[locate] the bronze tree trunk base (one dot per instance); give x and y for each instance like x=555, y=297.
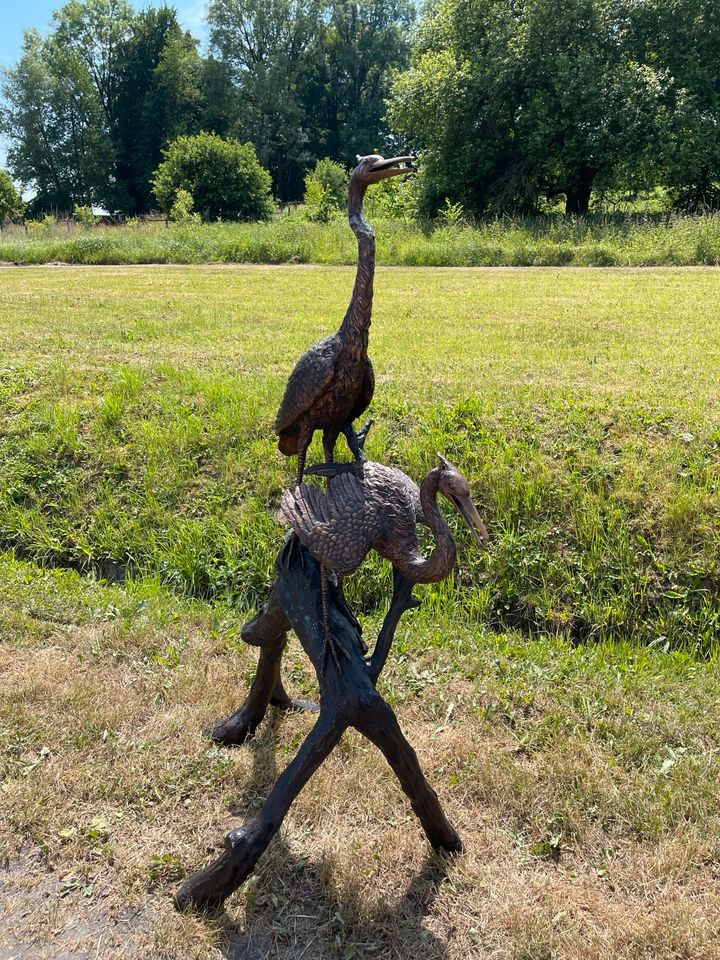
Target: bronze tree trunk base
x=348, y=698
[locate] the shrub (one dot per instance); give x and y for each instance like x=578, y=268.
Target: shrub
x=223, y=178
x=452, y=214
x=394, y=199
x=12, y=204
x=325, y=190
x=39, y=227
x=182, y=209
x=85, y=216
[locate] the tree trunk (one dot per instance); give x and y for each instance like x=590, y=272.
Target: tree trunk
x=347, y=698
x=578, y=192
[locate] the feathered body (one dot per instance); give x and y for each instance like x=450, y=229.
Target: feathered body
x=332, y=385
x=378, y=507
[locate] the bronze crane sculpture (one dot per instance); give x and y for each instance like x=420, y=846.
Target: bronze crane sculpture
x=367, y=506
x=378, y=507
x=333, y=383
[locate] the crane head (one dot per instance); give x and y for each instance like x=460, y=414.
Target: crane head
x=374, y=168
x=455, y=487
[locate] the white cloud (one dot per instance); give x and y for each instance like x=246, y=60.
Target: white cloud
x=192, y=17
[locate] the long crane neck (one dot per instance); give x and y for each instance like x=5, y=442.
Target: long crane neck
x=356, y=325
x=438, y=565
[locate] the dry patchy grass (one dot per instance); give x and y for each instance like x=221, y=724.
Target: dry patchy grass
x=584, y=783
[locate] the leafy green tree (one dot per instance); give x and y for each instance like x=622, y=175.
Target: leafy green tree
x=334, y=178
x=681, y=40
x=220, y=107
x=394, y=199
x=519, y=100
x=12, y=204
x=85, y=216
x=159, y=97
x=88, y=37
x=267, y=46
x=90, y=106
x=59, y=142
x=310, y=76
x=359, y=46
x=223, y=178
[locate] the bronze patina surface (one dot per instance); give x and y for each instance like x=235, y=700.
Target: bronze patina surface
x=367, y=506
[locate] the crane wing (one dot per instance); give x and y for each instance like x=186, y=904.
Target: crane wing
x=366, y=392
x=311, y=377
x=339, y=527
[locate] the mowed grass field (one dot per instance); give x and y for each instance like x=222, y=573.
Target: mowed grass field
x=562, y=690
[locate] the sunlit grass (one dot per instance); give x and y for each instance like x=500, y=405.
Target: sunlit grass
x=562, y=690
x=583, y=781
x=137, y=411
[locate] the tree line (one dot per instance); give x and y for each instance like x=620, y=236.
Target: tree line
x=519, y=102
x=512, y=104
x=91, y=105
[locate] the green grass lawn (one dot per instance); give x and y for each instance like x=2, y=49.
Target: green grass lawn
x=137, y=408
x=562, y=690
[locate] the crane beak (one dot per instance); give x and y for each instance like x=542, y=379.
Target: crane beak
x=389, y=168
x=469, y=513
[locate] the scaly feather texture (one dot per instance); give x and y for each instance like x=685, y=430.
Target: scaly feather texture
x=373, y=507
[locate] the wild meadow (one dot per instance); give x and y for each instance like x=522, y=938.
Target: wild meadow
x=562, y=690
x=627, y=240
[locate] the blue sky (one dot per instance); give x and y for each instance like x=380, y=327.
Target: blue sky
x=17, y=15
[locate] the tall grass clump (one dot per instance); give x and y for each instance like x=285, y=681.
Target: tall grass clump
x=596, y=241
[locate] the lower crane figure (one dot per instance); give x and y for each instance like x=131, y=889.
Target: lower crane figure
x=367, y=506
x=370, y=506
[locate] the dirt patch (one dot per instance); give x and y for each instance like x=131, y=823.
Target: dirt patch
x=46, y=914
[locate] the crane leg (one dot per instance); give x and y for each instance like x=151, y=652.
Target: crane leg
x=329, y=441
x=362, y=434
x=302, y=453
x=347, y=609
x=356, y=447
x=304, y=440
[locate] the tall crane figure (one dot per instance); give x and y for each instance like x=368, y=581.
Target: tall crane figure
x=333, y=383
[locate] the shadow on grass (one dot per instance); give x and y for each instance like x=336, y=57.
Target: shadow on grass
x=293, y=909
x=317, y=930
